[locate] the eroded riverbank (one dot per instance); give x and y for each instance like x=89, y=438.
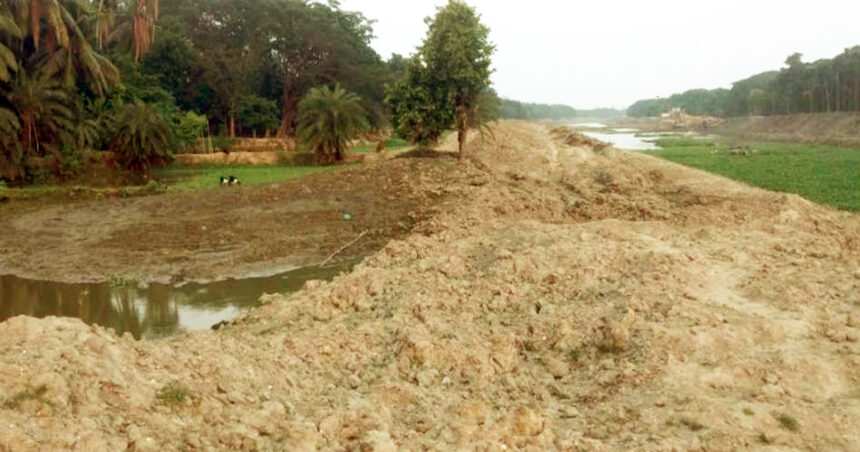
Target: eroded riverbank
x=558, y=299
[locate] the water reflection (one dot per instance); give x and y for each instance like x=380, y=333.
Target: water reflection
x=626, y=141
x=152, y=312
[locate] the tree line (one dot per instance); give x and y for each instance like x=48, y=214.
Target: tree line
x=825, y=85
x=148, y=78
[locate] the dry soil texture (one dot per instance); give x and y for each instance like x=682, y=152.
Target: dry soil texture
x=558, y=299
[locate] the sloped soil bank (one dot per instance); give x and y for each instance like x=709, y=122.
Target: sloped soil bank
x=558, y=299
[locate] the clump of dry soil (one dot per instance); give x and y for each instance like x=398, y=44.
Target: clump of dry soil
x=558, y=299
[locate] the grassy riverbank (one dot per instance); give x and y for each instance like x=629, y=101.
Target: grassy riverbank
x=825, y=174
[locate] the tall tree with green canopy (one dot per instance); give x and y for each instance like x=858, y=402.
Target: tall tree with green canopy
x=328, y=120
x=444, y=82
x=457, y=54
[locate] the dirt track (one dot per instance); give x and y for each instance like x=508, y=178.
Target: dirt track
x=557, y=299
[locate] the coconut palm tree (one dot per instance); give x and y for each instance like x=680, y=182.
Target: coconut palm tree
x=59, y=47
x=134, y=26
x=328, y=120
x=105, y=22
x=8, y=27
x=143, y=139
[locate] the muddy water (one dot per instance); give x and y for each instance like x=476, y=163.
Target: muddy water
x=152, y=312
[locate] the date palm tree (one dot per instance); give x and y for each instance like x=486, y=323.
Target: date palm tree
x=143, y=139
x=42, y=109
x=328, y=120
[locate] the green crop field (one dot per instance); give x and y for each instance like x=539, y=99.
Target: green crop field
x=824, y=174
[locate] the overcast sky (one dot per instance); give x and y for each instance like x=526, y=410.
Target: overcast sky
x=610, y=53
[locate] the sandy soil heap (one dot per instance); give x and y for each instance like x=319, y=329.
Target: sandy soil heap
x=559, y=299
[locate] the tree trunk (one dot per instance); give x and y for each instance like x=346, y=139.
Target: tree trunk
x=838, y=92
x=290, y=112
x=857, y=94
x=462, y=129
x=231, y=127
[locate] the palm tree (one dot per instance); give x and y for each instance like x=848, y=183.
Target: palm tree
x=10, y=147
x=136, y=27
x=8, y=61
x=105, y=21
x=58, y=22
x=143, y=139
x=42, y=108
x=66, y=52
x=145, y=16
x=328, y=119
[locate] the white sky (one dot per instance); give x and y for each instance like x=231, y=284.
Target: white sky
x=611, y=53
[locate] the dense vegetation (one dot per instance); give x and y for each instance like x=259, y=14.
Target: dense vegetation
x=147, y=78
x=826, y=85
x=447, y=83
x=511, y=109
x=824, y=174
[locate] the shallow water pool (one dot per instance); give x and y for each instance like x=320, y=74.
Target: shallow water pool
x=155, y=311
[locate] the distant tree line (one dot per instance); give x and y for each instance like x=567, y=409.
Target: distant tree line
x=826, y=85
x=511, y=109
x=601, y=113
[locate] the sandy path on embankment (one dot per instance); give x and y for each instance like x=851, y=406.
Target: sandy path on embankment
x=559, y=299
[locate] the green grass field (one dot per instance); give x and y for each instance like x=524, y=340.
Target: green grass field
x=183, y=178
x=824, y=174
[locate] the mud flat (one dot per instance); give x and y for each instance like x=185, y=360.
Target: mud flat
x=235, y=232
x=556, y=299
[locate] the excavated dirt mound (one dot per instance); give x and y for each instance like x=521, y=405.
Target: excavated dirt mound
x=558, y=300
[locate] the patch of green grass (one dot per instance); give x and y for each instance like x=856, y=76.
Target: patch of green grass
x=396, y=143
x=789, y=423
x=363, y=149
x=392, y=144
x=824, y=174
x=748, y=411
x=172, y=393
x=209, y=177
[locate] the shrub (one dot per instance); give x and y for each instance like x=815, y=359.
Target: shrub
x=188, y=127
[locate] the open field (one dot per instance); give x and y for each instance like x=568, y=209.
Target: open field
x=554, y=299
x=200, y=231
x=183, y=178
x=822, y=173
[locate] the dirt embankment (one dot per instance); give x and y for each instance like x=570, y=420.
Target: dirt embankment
x=558, y=299
x=832, y=128
x=842, y=129
x=225, y=233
